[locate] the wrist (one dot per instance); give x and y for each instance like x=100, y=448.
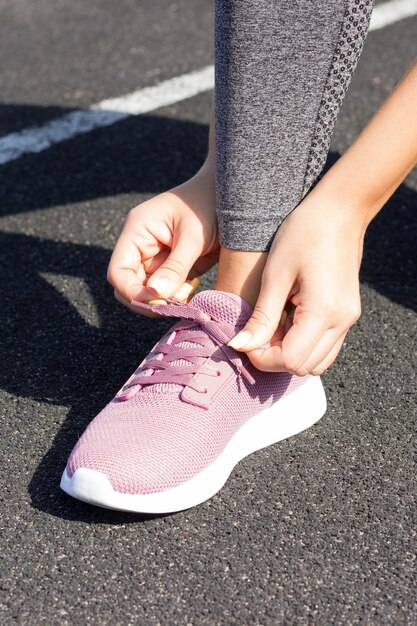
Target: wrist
x=354, y=201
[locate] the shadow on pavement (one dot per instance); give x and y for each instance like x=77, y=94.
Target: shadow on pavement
x=144, y=154
x=48, y=350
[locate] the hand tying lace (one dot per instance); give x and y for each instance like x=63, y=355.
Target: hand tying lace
x=202, y=331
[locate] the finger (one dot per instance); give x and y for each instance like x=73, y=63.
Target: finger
x=268, y=359
x=323, y=348
x=173, y=273
x=151, y=265
x=266, y=315
x=299, y=342
x=305, y=334
x=322, y=366
x=125, y=272
x=204, y=263
x=200, y=267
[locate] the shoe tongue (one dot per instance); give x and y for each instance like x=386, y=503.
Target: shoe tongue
x=223, y=307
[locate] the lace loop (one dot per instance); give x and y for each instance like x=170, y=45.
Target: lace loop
x=205, y=331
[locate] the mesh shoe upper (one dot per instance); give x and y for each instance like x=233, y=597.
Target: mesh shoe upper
x=174, y=416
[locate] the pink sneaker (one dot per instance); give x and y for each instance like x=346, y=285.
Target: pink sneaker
x=192, y=410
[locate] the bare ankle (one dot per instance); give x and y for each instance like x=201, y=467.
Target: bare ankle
x=240, y=272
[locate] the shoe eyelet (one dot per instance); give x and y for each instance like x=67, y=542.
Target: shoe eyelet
x=218, y=373
x=204, y=390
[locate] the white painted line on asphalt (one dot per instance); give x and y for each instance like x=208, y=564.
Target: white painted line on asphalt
x=166, y=93
x=40, y=138
x=391, y=12
x=107, y=112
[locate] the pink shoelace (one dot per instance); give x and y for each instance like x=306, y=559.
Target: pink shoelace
x=202, y=331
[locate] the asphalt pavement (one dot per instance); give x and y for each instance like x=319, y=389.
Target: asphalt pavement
x=319, y=529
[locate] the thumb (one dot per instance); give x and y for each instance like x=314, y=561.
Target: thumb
x=265, y=317
x=173, y=272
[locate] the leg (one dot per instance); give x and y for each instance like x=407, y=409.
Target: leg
x=282, y=70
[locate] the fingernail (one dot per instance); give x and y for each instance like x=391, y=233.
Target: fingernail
x=159, y=285
x=195, y=282
x=184, y=291
x=240, y=340
x=156, y=301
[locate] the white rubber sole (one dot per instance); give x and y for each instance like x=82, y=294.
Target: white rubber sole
x=289, y=416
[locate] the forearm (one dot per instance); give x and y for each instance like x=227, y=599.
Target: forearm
x=380, y=158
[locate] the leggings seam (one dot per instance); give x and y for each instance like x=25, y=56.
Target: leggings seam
x=352, y=35
x=323, y=100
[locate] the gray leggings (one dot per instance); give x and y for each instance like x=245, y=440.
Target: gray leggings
x=282, y=68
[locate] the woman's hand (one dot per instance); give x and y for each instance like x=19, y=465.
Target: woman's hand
x=315, y=258
x=314, y=264
x=166, y=240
